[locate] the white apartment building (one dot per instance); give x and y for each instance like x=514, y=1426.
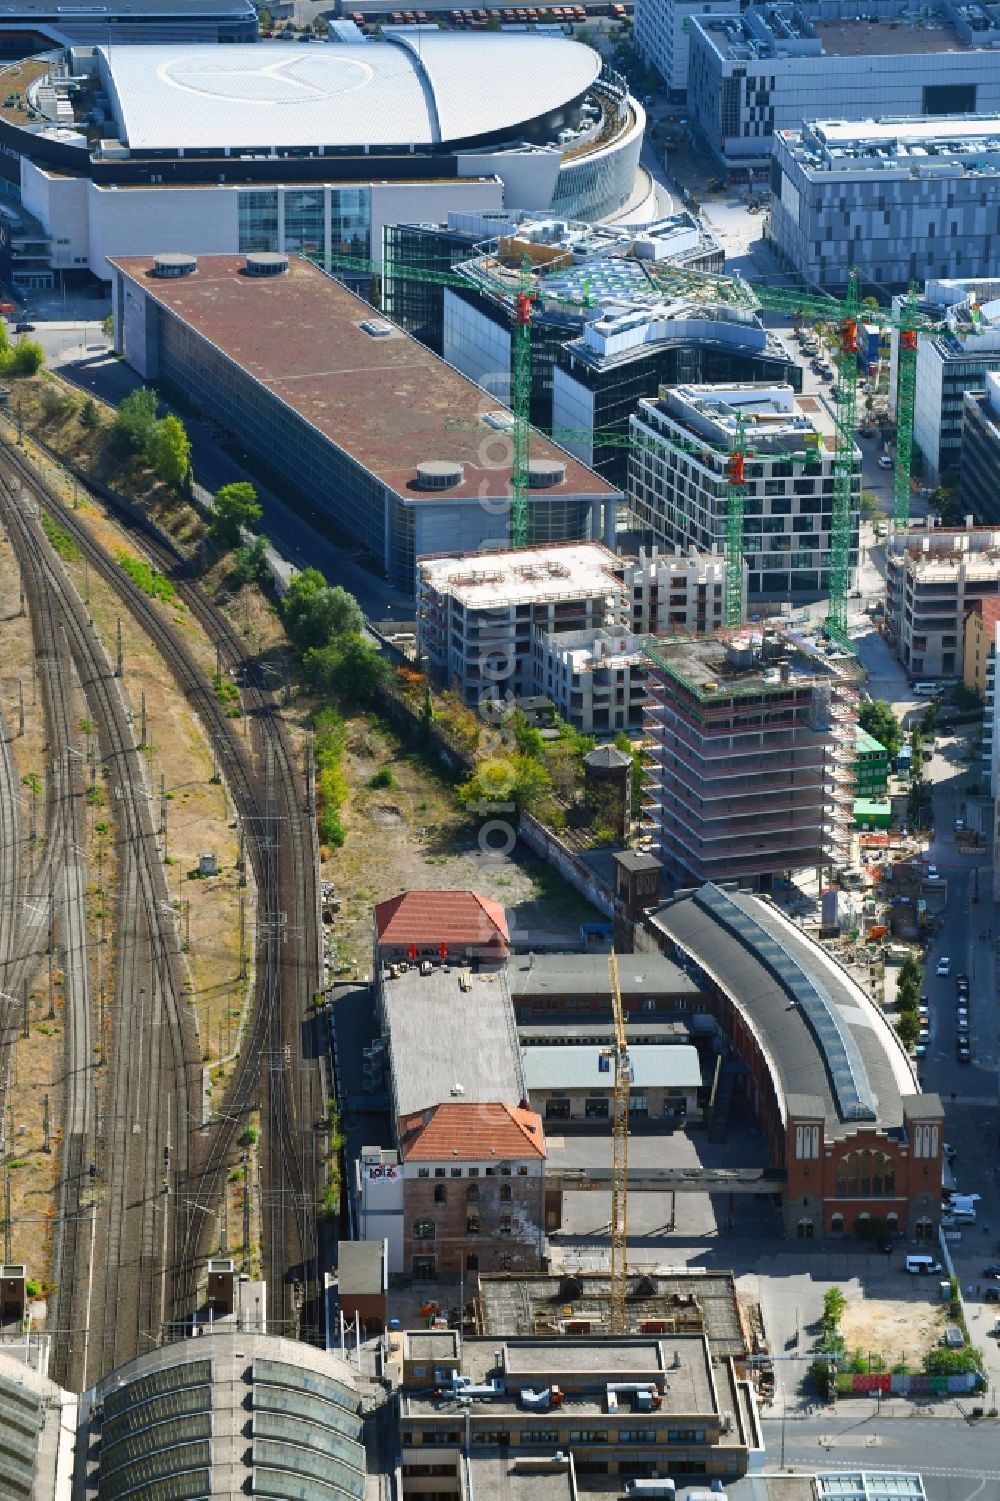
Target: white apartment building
x=478, y=613
x=663, y=35
x=934, y=577
x=899, y=198
x=950, y=362
x=493, y=624
x=673, y=592
x=596, y=679
x=679, y=492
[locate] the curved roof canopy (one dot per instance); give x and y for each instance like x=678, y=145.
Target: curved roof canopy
x=419, y=88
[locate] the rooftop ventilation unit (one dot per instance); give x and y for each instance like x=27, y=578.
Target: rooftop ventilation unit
x=174, y=263
x=439, y=474
x=543, y=474
x=376, y=327
x=267, y=263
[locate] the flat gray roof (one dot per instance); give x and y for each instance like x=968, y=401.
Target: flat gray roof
x=444, y=1038
x=578, y=1066
x=501, y=1478
x=359, y=1266
x=802, y=1067
x=587, y=974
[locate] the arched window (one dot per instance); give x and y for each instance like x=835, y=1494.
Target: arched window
x=836, y=1222
x=924, y=1229
x=892, y=1222
x=804, y=1229
x=505, y=1193
x=423, y=1230
x=866, y=1175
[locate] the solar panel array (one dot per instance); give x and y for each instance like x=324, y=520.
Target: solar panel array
x=852, y=1091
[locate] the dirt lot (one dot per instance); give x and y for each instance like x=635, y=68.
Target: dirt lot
x=412, y=835
x=900, y=1329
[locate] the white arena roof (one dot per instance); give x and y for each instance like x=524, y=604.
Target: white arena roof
x=422, y=89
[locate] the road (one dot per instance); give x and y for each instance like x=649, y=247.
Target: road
x=960, y=1461
x=299, y=536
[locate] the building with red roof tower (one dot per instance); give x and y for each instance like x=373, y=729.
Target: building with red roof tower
x=418, y=925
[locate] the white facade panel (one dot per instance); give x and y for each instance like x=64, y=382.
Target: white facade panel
x=143, y=221
x=572, y=408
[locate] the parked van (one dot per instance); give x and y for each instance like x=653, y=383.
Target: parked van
x=662, y=1487
x=925, y=690
x=922, y=1265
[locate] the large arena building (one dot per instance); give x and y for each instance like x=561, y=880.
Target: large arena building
x=227, y=148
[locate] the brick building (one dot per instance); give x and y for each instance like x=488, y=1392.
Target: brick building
x=463, y=1188
x=829, y=1082
x=473, y=1189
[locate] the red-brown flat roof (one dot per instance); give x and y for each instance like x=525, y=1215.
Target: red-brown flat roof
x=383, y=400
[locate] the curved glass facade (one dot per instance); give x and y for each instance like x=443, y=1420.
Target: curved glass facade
x=599, y=184
x=596, y=187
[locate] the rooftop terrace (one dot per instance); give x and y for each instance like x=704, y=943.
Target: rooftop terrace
x=529, y=576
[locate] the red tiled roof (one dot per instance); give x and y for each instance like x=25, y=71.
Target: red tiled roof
x=471, y=1132
x=435, y=917
x=988, y=608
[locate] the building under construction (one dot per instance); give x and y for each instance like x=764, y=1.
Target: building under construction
x=751, y=766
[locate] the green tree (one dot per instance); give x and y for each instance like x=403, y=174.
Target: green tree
x=834, y=1304
x=236, y=506
x=516, y=779
x=908, y=1028
x=315, y=611
x=870, y=505
x=347, y=668
x=90, y=417
x=877, y=718
x=108, y=325
x=134, y=427
x=172, y=452
x=250, y=563
x=321, y=26
x=910, y=970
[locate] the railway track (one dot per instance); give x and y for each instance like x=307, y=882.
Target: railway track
x=96, y=1332
x=280, y=844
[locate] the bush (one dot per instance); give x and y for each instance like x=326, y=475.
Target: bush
x=382, y=778
x=149, y=580
x=62, y=541
x=90, y=416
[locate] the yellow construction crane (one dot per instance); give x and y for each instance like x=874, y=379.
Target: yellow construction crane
x=619, y=1160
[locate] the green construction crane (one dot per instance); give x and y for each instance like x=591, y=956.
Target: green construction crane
x=906, y=385
x=846, y=396
x=711, y=287
x=733, y=458
x=519, y=295
x=736, y=500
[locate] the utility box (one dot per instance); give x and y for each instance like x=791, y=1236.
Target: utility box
x=13, y=1294
x=221, y=1283
x=208, y=865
